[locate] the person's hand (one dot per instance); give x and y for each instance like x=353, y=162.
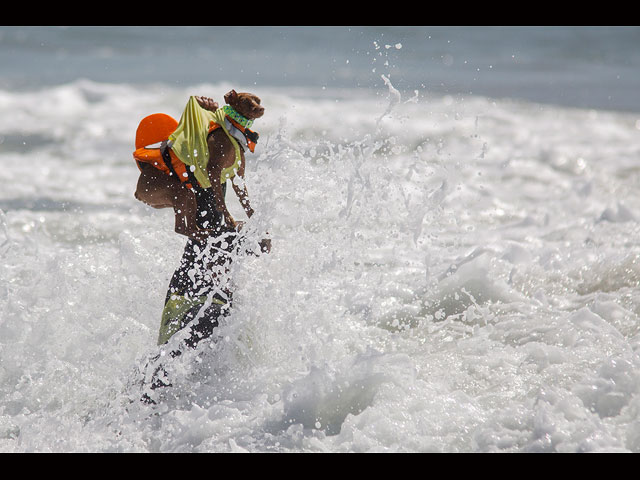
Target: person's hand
x=207, y=103
x=231, y=223
x=265, y=245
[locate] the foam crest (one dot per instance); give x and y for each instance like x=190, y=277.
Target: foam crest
x=447, y=274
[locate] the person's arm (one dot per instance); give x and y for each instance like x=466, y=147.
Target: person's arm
x=218, y=195
x=240, y=187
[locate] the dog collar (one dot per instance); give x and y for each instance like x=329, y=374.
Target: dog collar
x=241, y=119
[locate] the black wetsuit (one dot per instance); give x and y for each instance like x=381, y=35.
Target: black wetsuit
x=197, y=277
x=198, y=274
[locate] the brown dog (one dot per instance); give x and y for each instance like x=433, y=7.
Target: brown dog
x=160, y=190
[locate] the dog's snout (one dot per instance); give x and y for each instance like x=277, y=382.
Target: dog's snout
x=259, y=110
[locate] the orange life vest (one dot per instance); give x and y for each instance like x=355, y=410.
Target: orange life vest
x=155, y=129
x=251, y=137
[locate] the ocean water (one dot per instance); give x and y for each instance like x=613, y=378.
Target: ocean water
x=454, y=215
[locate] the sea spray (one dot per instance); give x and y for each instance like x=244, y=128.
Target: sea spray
x=459, y=275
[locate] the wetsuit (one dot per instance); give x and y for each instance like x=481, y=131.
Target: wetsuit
x=198, y=295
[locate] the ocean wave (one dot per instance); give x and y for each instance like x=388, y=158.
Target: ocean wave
x=449, y=273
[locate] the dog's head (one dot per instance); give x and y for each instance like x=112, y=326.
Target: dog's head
x=246, y=104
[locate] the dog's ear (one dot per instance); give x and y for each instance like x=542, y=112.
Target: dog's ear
x=230, y=97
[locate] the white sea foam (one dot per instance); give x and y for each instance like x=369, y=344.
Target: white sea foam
x=460, y=274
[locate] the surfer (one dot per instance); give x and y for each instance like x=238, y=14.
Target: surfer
x=189, y=172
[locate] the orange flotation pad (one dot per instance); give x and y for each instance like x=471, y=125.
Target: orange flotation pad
x=154, y=129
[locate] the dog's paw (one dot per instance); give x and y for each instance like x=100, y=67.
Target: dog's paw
x=207, y=103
